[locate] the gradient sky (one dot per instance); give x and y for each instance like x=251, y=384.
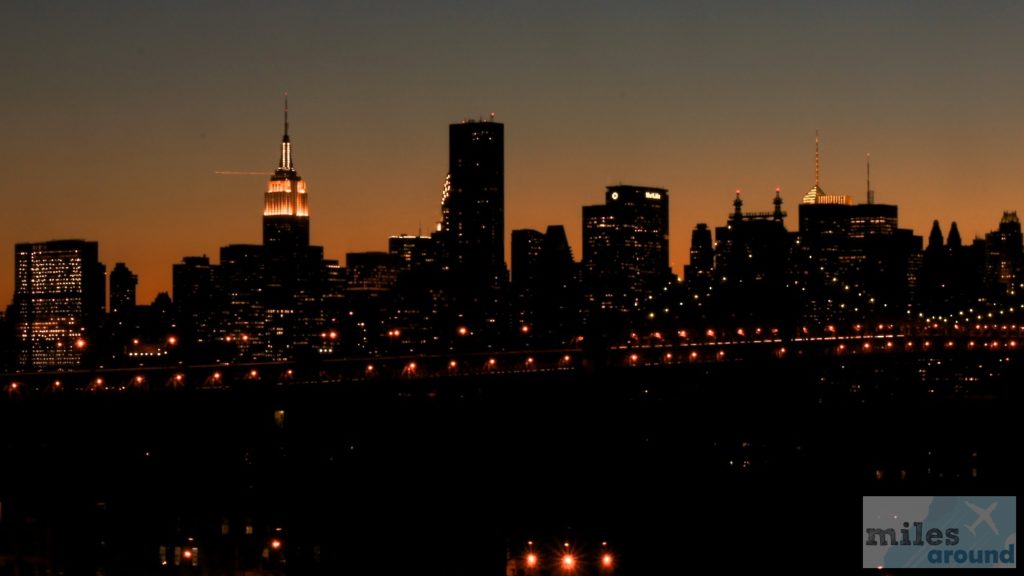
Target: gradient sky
x=116, y=117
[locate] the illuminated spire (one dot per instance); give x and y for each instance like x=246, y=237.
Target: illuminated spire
x=778, y=214
x=738, y=205
x=286, y=143
x=286, y=191
x=816, y=192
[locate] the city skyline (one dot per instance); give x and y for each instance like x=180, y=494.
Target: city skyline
x=129, y=160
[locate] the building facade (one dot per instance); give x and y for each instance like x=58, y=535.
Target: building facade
x=625, y=250
x=59, y=302
x=471, y=235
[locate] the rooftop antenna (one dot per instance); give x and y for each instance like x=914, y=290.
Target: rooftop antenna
x=817, y=161
x=286, y=145
x=871, y=193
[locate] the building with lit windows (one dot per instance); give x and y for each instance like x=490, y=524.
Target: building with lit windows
x=1004, y=257
x=625, y=250
x=265, y=301
x=59, y=302
x=412, y=251
x=853, y=259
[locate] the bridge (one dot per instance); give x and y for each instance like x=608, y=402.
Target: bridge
x=655, y=349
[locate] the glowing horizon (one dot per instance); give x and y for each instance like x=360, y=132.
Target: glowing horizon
x=123, y=116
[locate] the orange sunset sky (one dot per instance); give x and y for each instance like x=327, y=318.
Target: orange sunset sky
x=116, y=118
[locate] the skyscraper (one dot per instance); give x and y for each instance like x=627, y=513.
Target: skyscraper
x=625, y=249
x=1004, y=256
x=269, y=296
x=475, y=237
x=198, y=304
x=285, y=205
x=471, y=236
x=289, y=286
x=702, y=254
x=122, y=290
x=411, y=251
x=752, y=257
x=853, y=257
x=527, y=251
x=545, y=286
x=59, y=296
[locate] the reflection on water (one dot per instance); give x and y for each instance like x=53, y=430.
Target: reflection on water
x=456, y=476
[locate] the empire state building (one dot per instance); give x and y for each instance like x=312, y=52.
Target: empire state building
x=285, y=205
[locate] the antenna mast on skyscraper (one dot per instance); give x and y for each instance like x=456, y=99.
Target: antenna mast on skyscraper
x=871, y=193
x=817, y=161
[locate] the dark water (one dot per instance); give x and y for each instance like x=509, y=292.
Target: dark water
x=748, y=464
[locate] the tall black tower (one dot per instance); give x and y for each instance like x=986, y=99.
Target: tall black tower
x=475, y=238
x=472, y=232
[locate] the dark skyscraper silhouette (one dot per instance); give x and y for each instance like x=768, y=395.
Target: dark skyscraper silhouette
x=853, y=257
x=545, y=286
x=122, y=290
x=527, y=247
x=471, y=236
x=752, y=256
x=198, y=304
x=1004, y=257
x=475, y=234
x=59, y=294
x=702, y=254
